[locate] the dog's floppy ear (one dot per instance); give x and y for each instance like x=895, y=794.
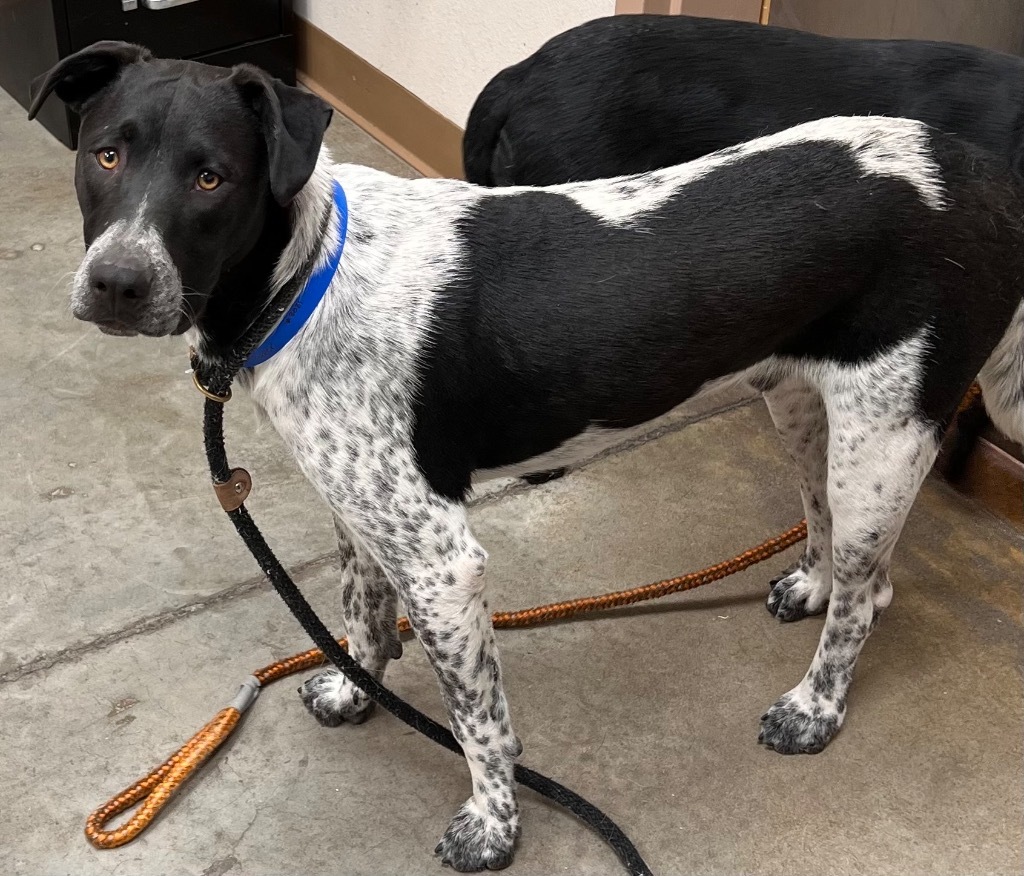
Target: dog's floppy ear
x=293, y=122
x=83, y=74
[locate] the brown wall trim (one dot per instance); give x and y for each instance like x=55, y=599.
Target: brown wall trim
x=992, y=477
x=996, y=480
x=387, y=111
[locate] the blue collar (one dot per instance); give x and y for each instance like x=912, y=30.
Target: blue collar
x=306, y=301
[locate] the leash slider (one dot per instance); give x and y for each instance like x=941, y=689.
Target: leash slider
x=235, y=490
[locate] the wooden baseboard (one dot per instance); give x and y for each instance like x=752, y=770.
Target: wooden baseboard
x=990, y=475
x=387, y=111
x=404, y=123
x=996, y=480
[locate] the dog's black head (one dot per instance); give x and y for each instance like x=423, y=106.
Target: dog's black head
x=183, y=172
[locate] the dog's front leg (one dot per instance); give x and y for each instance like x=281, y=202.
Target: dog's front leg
x=445, y=602
x=423, y=544
x=368, y=607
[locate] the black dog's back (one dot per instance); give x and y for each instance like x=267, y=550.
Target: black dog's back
x=628, y=94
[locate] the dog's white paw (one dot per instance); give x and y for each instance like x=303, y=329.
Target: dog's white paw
x=800, y=724
x=798, y=594
x=477, y=840
x=332, y=699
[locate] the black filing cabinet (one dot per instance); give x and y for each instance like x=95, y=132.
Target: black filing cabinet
x=35, y=34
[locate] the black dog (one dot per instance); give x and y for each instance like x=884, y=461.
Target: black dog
x=633, y=93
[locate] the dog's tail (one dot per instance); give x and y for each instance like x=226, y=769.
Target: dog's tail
x=486, y=156
x=1002, y=380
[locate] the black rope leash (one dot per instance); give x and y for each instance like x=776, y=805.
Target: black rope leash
x=214, y=380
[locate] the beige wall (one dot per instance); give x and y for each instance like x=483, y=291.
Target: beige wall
x=445, y=51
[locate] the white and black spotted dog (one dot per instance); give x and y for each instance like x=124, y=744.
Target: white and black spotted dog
x=860, y=272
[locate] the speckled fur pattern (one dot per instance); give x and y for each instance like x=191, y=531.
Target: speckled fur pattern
x=1002, y=380
x=368, y=606
x=342, y=396
x=139, y=236
x=798, y=412
x=863, y=452
x=858, y=271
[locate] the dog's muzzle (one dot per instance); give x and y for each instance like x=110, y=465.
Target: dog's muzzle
x=128, y=284
x=119, y=287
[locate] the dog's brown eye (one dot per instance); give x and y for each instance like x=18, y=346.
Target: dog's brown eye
x=108, y=158
x=207, y=180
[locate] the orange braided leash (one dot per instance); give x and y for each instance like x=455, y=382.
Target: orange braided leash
x=157, y=788
x=972, y=395
x=154, y=791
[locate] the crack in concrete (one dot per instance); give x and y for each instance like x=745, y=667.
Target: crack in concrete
x=155, y=622
x=164, y=619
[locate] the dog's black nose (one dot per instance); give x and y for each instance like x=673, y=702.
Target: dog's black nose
x=123, y=284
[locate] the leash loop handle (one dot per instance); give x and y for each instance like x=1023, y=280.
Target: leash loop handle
x=156, y=789
x=159, y=786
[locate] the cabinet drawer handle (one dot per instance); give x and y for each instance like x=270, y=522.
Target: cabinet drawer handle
x=164, y=4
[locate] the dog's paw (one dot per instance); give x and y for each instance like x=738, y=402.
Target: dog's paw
x=797, y=724
x=785, y=573
x=332, y=699
x=478, y=841
x=797, y=595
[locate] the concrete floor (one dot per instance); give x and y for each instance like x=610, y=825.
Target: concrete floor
x=131, y=612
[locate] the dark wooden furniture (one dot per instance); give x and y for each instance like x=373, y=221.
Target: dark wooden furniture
x=35, y=34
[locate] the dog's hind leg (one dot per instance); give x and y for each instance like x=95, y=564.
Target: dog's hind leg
x=368, y=602
x=799, y=415
x=879, y=451
x=1002, y=380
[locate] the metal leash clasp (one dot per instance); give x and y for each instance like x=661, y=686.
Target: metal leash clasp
x=212, y=396
x=193, y=359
